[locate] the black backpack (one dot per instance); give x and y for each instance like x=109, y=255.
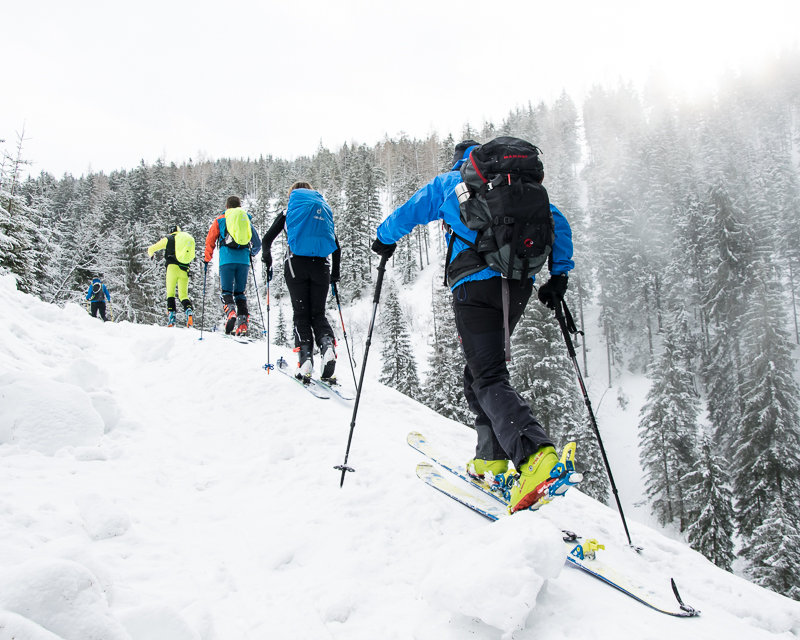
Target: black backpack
x=97, y=292
x=501, y=197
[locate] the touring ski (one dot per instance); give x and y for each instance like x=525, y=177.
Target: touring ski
x=493, y=506
x=312, y=387
x=334, y=388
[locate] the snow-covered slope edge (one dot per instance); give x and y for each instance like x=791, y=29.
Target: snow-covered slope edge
x=156, y=486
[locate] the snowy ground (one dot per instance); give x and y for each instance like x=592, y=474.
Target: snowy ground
x=154, y=486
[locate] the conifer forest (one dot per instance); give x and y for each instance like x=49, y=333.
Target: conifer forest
x=686, y=224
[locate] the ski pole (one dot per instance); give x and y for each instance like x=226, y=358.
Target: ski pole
x=344, y=331
x=268, y=366
x=203, y=315
x=568, y=327
x=258, y=298
x=381, y=270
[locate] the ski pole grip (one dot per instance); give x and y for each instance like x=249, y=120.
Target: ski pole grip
x=562, y=321
x=379, y=285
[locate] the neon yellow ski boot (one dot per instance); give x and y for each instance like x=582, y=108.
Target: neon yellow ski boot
x=543, y=477
x=534, y=476
x=478, y=468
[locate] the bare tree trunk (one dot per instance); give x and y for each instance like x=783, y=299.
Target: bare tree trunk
x=794, y=302
x=580, y=312
x=419, y=246
x=608, y=350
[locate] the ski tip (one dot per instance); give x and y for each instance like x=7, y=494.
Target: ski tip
x=690, y=611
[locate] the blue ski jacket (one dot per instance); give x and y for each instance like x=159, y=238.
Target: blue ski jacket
x=438, y=200
x=106, y=294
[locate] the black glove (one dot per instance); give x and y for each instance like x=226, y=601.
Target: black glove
x=334, y=278
x=552, y=292
x=383, y=250
x=269, y=274
x=205, y=265
x=266, y=258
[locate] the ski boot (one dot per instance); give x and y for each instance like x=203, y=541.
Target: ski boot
x=230, y=317
x=171, y=319
x=241, y=324
x=328, y=358
x=305, y=364
x=189, y=318
x=541, y=478
x=491, y=472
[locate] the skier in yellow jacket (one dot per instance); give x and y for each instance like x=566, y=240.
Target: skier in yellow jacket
x=179, y=251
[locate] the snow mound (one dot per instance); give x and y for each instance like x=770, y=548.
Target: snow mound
x=102, y=518
x=157, y=622
x=84, y=374
x=44, y=415
x=106, y=405
x=14, y=627
x=495, y=573
x=62, y=597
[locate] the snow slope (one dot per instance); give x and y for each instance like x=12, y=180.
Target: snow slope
x=154, y=486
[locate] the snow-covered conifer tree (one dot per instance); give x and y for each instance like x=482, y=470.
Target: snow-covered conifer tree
x=282, y=334
x=18, y=235
x=667, y=432
x=358, y=220
x=708, y=501
x=766, y=461
x=399, y=366
x=774, y=550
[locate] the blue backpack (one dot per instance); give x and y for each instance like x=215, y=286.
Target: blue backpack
x=309, y=224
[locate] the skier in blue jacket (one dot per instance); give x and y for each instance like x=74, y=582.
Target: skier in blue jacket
x=506, y=427
x=97, y=295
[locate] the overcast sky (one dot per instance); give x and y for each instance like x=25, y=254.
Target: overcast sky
x=103, y=85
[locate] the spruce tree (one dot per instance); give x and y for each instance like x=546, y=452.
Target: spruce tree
x=766, y=461
x=282, y=335
x=667, y=432
x=774, y=550
x=708, y=500
x=725, y=302
x=18, y=235
x=399, y=369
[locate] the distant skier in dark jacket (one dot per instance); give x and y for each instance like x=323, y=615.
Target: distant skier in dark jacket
x=505, y=425
x=233, y=232
x=97, y=295
x=308, y=222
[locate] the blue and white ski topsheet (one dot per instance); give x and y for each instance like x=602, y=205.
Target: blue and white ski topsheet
x=312, y=387
x=335, y=388
x=493, y=506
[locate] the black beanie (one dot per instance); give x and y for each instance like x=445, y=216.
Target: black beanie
x=461, y=147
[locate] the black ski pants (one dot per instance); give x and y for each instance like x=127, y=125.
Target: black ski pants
x=308, y=280
x=504, y=421
x=99, y=305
